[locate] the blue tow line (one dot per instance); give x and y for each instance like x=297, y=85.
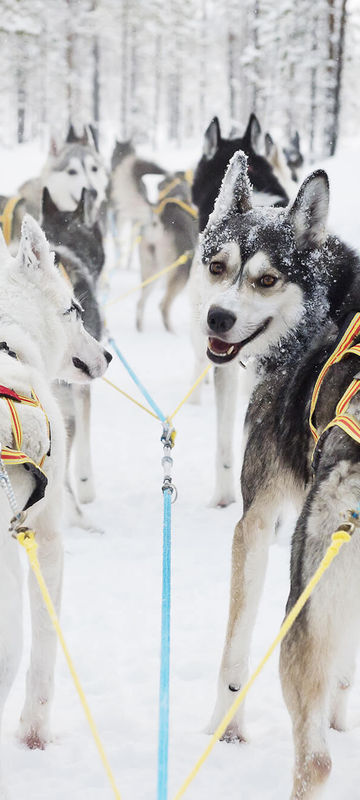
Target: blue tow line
x=164, y=693
x=163, y=739
x=136, y=380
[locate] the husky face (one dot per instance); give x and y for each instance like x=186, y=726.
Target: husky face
x=262, y=270
x=77, y=167
x=36, y=296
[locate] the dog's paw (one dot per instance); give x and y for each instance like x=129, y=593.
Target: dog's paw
x=222, y=499
x=32, y=736
x=85, y=490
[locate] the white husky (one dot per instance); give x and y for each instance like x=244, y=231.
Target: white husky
x=41, y=338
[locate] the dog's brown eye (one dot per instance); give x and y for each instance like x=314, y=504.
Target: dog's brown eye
x=217, y=267
x=267, y=280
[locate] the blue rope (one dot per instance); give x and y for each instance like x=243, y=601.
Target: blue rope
x=144, y=391
x=163, y=741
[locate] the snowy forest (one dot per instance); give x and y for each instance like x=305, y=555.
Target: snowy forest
x=158, y=70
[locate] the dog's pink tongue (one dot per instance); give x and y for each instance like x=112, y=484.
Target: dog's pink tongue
x=217, y=346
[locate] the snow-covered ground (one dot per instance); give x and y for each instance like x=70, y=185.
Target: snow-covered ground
x=112, y=590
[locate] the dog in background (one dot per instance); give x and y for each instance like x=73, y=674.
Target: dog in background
x=43, y=339
x=78, y=247
x=172, y=232
x=128, y=197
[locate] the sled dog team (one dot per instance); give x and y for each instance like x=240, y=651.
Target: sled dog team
x=273, y=293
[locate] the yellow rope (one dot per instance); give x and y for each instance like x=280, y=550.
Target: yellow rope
x=338, y=539
x=6, y=218
x=198, y=380
x=27, y=540
x=129, y=397
x=181, y=260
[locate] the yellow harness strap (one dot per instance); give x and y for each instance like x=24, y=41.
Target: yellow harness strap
x=344, y=421
x=176, y=201
x=167, y=189
x=6, y=218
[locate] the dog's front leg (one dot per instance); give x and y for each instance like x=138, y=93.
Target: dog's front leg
x=226, y=392
x=84, y=480
x=10, y=611
x=34, y=720
x=249, y=559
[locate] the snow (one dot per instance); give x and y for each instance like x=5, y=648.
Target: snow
x=112, y=592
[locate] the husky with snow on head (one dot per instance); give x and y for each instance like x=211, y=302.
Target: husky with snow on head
x=77, y=243
x=129, y=201
x=43, y=339
x=173, y=233
x=69, y=169
x=267, y=191
x=278, y=288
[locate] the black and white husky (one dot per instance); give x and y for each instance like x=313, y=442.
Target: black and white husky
x=43, y=338
x=209, y=174
x=278, y=288
x=78, y=247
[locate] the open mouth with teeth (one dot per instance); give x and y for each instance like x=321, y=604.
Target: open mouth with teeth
x=221, y=352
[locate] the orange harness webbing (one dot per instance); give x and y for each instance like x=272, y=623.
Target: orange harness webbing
x=6, y=218
x=15, y=457
x=344, y=421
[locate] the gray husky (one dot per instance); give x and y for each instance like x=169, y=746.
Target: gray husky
x=128, y=197
x=172, y=232
x=277, y=288
x=77, y=243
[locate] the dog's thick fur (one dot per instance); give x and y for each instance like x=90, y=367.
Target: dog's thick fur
x=170, y=234
x=78, y=246
x=278, y=289
x=41, y=323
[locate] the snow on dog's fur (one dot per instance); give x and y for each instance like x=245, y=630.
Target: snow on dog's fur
x=279, y=289
x=41, y=323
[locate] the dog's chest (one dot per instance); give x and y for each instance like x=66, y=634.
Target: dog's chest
x=35, y=436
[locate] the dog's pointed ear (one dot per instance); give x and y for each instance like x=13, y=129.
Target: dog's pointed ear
x=48, y=207
x=269, y=145
x=33, y=250
x=93, y=136
x=252, y=133
x=295, y=141
x=212, y=139
x=71, y=136
x=309, y=212
x=235, y=192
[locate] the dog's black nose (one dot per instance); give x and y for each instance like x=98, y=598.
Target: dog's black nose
x=93, y=194
x=219, y=320
x=108, y=356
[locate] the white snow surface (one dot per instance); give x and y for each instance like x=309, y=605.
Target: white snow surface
x=112, y=589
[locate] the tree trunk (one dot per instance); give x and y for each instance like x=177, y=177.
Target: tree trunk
x=338, y=77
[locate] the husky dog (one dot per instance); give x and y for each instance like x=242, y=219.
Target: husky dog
x=43, y=339
x=68, y=170
x=172, y=233
x=286, y=162
x=127, y=194
x=78, y=247
x=277, y=287
x=267, y=191
x=211, y=168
